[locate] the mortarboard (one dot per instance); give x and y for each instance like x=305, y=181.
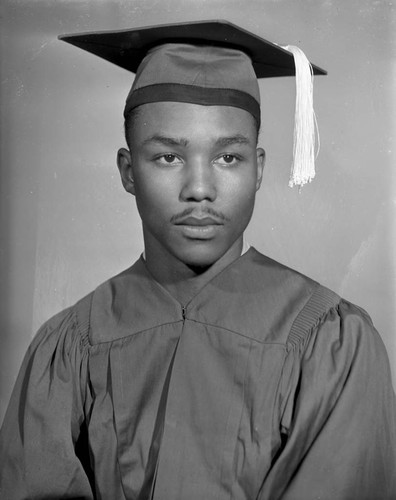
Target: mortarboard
x=210, y=63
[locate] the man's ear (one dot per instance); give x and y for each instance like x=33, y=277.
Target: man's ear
x=260, y=166
x=124, y=163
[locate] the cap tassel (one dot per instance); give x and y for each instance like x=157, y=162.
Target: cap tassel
x=305, y=126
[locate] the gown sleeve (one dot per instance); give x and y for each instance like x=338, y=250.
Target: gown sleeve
x=339, y=423
x=42, y=453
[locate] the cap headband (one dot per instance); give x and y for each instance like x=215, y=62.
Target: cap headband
x=178, y=92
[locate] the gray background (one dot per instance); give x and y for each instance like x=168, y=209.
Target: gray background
x=66, y=222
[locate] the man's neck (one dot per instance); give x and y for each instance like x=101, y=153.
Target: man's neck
x=184, y=282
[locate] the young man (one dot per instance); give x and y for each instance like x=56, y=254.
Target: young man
x=206, y=370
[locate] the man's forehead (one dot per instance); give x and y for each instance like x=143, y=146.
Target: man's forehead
x=221, y=141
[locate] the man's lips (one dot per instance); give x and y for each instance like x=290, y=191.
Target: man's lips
x=199, y=228
x=198, y=221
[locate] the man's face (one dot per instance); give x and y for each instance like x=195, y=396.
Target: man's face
x=194, y=171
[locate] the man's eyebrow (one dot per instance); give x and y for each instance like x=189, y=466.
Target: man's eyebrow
x=235, y=139
x=166, y=141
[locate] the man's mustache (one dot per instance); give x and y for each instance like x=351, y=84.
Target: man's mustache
x=199, y=213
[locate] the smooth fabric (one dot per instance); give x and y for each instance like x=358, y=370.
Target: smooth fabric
x=264, y=386
x=199, y=74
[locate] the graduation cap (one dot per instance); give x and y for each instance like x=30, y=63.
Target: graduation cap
x=210, y=63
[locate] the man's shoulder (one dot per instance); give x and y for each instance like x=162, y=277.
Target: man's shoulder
x=275, y=269
x=307, y=309
x=272, y=279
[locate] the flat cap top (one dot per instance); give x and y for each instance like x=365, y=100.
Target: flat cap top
x=127, y=48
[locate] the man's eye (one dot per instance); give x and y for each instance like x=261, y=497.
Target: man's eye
x=226, y=160
x=168, y=159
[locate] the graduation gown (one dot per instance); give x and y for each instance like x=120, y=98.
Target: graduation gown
x=264, y=386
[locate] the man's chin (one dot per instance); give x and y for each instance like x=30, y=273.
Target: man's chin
x=203, y=256
x=199, y=264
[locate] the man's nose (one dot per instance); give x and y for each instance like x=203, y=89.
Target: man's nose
x=199, y=182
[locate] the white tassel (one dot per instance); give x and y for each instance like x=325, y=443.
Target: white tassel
x=305, y=126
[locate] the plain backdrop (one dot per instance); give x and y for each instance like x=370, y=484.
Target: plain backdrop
x=66, y=223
